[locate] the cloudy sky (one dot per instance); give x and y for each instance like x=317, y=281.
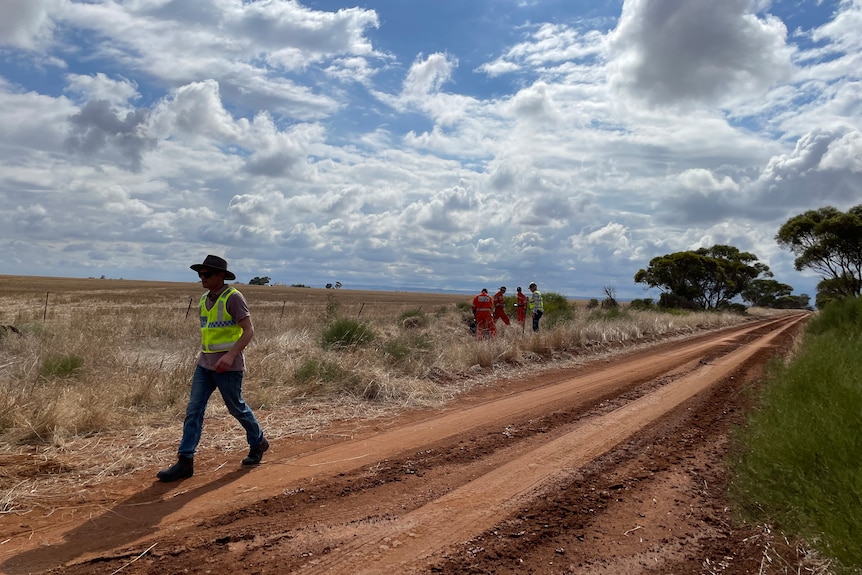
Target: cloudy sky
x=419, y=144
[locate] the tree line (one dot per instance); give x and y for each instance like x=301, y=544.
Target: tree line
x=826, y=241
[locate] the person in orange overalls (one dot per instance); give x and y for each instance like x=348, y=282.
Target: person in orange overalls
x=483, y=311
x=500, y=306
x=521, y=306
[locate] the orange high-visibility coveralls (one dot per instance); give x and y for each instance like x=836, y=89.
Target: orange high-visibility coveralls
x=483, y=309
x=500, y=308
x=521, y=304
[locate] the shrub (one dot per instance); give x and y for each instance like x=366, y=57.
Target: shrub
x=328, y=378
x=557, y=309
x=413, y=318
x=61, y=366
x=315, y=370
x=734, y=308
x=841, y=315
x=396, y=350
x=593, y=303
x=674, y=301
x=610, y=301
x=645, y=304
x=343, y=333
x=402, y=348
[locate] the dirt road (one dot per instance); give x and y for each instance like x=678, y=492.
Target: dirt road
x=612, y=467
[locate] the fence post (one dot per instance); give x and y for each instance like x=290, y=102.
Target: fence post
x=45, y=312
x=189, y=308
x=362, y=305
x=284, y=303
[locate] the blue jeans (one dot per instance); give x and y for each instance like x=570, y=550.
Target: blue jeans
x=229, y=384
x=537, y=315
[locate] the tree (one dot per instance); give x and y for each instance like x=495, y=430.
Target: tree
x=706, y=278
x=610, y=301
x=793, y=302
x=831, y=289
x=773, y=294
x=256, y=281
x=765, y=292
x=828, y=242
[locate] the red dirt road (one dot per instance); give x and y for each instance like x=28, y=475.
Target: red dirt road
x=613, y=467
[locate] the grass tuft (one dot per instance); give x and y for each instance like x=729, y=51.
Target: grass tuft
x=344, y=333
x=63, y=366
x=413, y=319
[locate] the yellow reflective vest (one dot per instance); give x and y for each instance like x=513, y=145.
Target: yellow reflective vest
x=536, y=302
x=219, y=331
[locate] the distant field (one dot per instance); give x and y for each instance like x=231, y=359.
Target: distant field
x=38, y=295
x=39, y=285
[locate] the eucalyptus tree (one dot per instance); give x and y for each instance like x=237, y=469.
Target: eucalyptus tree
x=829, y=242
x=706, y=278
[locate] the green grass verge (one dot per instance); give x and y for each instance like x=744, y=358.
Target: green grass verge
x=798, y=462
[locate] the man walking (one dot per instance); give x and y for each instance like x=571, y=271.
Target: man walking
x=500, y=306
x=536, y=306
x=483, y=310
x=226, y=329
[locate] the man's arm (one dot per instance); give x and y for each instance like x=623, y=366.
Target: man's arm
x=226, y=360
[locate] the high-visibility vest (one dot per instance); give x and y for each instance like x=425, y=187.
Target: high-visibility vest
x=536, y=302
x=219, y=331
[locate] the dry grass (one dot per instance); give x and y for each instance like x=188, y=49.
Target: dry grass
x=96, y=384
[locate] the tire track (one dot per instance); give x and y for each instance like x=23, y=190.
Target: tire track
x=401, y=545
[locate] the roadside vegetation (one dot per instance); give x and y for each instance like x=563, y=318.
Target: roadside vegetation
x=97, y=362
x=797, y=465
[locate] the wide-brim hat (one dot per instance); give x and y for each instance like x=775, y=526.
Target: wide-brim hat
x=215, y=263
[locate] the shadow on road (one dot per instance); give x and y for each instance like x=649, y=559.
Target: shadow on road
x=127, y=521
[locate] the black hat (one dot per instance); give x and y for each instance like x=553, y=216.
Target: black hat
x=215, y=263
x=502, y=288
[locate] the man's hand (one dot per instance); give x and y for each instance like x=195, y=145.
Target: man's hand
x=225, y=362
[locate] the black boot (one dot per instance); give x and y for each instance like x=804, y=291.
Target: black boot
x=255, y=454
x=184, y=467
